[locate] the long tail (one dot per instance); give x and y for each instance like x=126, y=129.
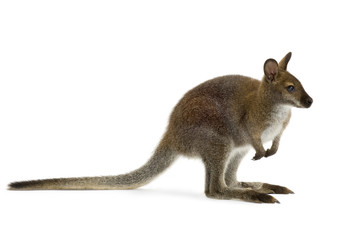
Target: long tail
x=162, y=158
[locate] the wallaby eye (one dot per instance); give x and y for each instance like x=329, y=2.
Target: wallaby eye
x=291, y=88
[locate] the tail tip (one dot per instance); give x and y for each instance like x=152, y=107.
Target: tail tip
x=19, y=185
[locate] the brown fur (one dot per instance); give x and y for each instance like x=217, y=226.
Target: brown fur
x=218, y=121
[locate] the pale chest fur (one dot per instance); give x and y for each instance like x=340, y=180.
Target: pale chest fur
x=275, y=123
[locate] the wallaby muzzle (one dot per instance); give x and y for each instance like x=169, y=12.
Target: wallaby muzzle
x=306, y=101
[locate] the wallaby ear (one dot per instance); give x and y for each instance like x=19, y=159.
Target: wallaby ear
x=284, y=62
x=270, y=69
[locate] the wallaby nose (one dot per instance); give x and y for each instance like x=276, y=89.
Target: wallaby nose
x=309, y=101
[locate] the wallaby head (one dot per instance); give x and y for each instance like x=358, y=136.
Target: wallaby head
x=283, y=86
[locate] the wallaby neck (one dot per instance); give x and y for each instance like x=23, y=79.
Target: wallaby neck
x=265, y=97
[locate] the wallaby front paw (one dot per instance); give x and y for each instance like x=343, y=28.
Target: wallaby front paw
x=258, y=155
x=270, y=152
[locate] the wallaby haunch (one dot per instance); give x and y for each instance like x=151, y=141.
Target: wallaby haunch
x=217, y=121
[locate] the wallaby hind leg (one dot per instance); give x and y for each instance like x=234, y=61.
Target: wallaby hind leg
x=215, y=186
x=231, y=169
x=231, y=180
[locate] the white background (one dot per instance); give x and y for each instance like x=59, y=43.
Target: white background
x=86, y=88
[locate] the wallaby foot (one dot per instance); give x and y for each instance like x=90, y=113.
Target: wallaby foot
x=263, y=187
x=248, y=195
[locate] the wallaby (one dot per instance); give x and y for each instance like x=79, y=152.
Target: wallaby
x=217, y=121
